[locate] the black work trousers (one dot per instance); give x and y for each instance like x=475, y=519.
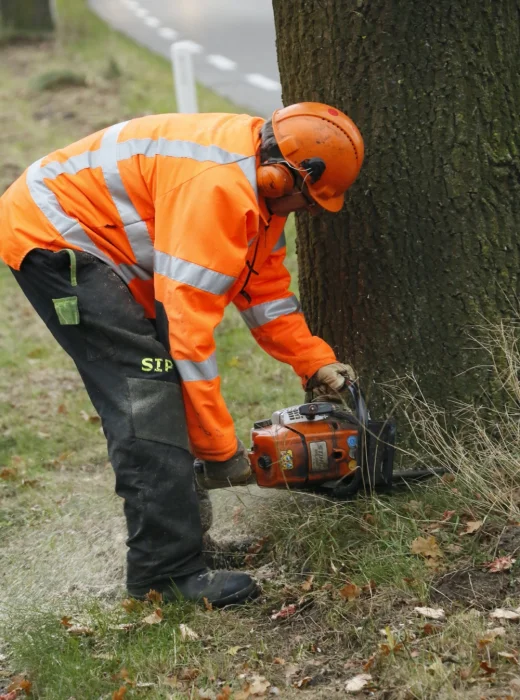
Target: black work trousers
x=135, y=388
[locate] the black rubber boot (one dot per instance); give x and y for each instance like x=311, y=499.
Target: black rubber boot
x=219, y=588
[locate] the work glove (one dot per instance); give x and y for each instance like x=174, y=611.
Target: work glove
x=232, y=472
x=331, y=378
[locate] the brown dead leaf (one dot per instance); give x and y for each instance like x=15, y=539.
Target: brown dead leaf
x=369, y=518
x=278, y=661
x=284, y=612
x=447, y=515
x=303, y=682
x=472, y=526
x=89, y=418
x=500, y=564
x=510, y=656
x=119, y=694
x=188, y=674
x=207, y=604
x=154, y=618
x=426, y=547
x=62, y=408
x=8, y=474
x=20, y=683
x=65, y=621
x=465, y=673
x=258, y=685
x=430, y=629
x=496, y=632
x=350, y=591
x=369, y=587
x=154, y=596
x=488, y=670
x=187, y=633
x=131, y=605
x=225, y=693
x=307, y=584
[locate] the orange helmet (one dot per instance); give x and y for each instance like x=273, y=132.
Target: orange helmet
x=311, y=130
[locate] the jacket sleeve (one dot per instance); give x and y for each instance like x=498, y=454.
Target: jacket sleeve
x=276, y=321
x=200, y=248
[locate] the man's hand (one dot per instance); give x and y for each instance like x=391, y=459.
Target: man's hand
x=331, y=378
x=234, y=471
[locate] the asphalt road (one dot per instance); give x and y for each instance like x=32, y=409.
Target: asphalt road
x=233, y=42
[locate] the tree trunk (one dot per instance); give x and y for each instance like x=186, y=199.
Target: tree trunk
x=428, y=242
x=27, y=15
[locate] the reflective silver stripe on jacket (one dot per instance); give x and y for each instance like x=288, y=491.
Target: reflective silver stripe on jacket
x=198, y=371
x=107, y=157
x=190, y=273
x=135, y=228
x=263, y=313
x=280, y=243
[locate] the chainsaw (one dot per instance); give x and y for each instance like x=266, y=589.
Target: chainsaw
x=324, y=446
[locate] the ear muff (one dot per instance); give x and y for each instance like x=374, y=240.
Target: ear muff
x=274, y=180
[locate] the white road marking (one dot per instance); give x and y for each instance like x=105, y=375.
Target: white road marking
x=261, y=81
x=152, y=22
x=168, y=33
x=221, y=62
x=191, y=46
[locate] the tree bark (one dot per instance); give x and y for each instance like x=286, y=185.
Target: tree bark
x=27, y=15
x=428, y=242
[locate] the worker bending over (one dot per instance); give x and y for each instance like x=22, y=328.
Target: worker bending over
x=130, y=244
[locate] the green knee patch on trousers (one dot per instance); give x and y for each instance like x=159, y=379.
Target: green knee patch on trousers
x=67, y=310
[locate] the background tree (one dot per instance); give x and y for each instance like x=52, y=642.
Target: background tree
x=27, y=15
x=428, y=242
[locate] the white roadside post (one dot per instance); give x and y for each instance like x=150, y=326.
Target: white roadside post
x=184, y=76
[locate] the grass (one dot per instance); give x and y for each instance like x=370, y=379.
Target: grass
x=348, y=575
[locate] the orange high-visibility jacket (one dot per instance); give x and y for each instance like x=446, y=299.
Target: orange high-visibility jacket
x=170, y=203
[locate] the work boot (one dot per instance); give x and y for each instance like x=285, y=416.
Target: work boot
x=219, y=588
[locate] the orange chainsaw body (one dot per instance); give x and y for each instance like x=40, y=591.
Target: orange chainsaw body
x=302, y=452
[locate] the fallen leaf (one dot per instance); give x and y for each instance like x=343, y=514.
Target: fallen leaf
x=354, y=685
x=89, y=418
x=284, y=612
x=350, y=591
x=496, y=632
x=80, y=631
x=465, y=673
x=154, y=618
x=131, y=605
x=278, y=661
x=307, y=585
x=430, y=629
x=500, y=564
x=189, y=674
x=20, y=683
x=454, y=548
x=119, y=694
x=154, y=596
x=447, y=515
x=427, y=547
x=448, y=478
x=207, y=604
x=224, y=694
x=503, y=614
x=369, y=663
x=258, y=685
x=431, y=613
x=208, y=694
x=509, y=656
x=62, y=408
x=369, y=587
x=472, y=526
x=488, y=670
x=187, y=633
x=7, y=474
x=125, y=627
x=65, y=621
x=303, y=683
x=233, y=651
